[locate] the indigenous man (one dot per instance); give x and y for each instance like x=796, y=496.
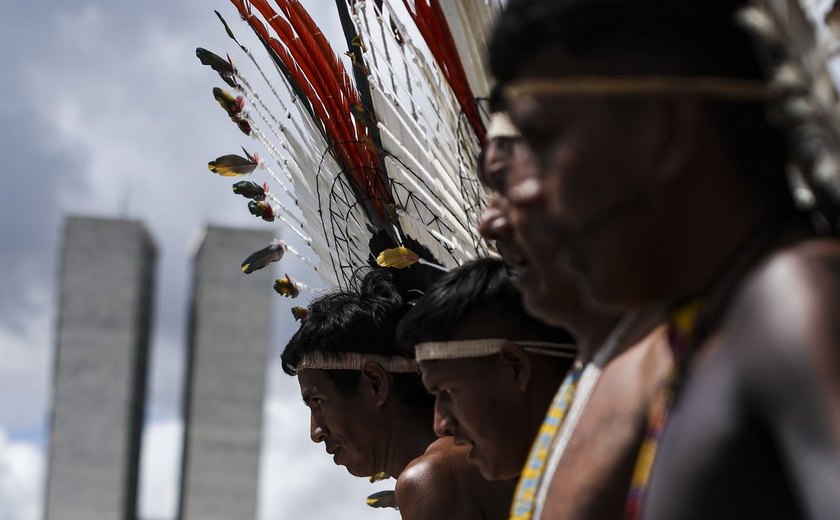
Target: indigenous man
x=591, y=460
x=492, y=368
x=648, y=118
x=369, y=408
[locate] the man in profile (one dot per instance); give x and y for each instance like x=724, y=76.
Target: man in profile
x=623, y=358
x=492, y=368
x=369, y=408
x=648, y=122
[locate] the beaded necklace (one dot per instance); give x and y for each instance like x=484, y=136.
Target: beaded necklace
x=526, y=489
x=554, y=434
x=682, y=329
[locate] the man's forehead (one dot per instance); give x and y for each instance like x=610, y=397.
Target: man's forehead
x=445, y=371
x=485, y=323
x=314, y=381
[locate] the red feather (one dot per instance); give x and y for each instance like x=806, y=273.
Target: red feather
x=430, y=20
x=310, y=60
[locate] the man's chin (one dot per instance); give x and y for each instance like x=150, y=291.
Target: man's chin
x=475, y=459
x=357, y=472
x=543, y=307
x=490, y=473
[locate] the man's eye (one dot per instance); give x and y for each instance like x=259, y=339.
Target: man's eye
x=496, y=182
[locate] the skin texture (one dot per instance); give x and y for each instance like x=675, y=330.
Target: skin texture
x=594, y=475
x=372, y=430
x=754, y=432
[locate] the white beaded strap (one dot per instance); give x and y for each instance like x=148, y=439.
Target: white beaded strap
x=355, y=361
x=435, y=350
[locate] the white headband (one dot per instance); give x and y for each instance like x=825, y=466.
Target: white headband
x=434, y=350
x=501, y=126
x=355, y=361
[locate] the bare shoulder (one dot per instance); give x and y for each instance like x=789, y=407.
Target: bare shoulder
x=437, y=467
x=792, y=289
x=431, y=486
x=784, y=317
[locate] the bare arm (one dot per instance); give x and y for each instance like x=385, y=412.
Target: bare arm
x=789, y=332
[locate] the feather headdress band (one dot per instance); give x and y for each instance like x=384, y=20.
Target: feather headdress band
x=355, y=361
x=437, y=350
x=617, y=86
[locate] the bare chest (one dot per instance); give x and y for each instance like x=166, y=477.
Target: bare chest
x=593, y=477
x=716, y=459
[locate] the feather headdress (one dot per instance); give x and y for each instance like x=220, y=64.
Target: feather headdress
x=800, y=52
x=378, y=162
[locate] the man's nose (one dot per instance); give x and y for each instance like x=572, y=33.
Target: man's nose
x=318, y=432
x=445, y=424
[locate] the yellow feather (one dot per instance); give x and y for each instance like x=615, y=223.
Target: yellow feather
x=398, y=258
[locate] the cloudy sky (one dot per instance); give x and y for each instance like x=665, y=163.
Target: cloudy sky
x=106, y=111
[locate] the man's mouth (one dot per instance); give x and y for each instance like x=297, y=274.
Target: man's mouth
x=512, y=256
x=461, y=441
x=516, y=259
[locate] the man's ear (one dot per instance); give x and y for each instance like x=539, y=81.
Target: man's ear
x=377, y=382
x=673, y=140
x=518, y=361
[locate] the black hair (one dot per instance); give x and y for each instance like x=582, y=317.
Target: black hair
x=361, y=319
x=486, y=285
x=685, y=37
x=496, y=101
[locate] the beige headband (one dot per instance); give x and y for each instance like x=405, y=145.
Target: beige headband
x=620, y=86
x=435, y=350
x=501, y=127
x=355, y=361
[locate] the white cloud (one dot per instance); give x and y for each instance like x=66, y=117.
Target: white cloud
x=21, y=476
x=24, y=372
x=160, y=469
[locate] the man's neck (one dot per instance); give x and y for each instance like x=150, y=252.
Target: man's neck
x=408, y=436
x=602, y=331
x=593, y=331
x=720, y=221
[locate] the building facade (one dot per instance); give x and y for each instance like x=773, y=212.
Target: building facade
x=100, y=374
x=227, y=360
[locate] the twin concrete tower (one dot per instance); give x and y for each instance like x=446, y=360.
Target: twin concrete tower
x=100, y=374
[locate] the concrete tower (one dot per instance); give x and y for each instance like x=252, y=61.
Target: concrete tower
x=100, y=370
x=229, y=339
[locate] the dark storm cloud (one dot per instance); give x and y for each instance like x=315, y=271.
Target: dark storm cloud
x=36, y=176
